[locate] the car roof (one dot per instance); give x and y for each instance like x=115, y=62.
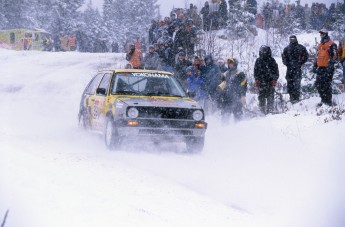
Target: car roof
x=135, y=71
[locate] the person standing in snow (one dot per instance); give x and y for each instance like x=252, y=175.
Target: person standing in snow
x=221, y=65
x=195, y=85
x=233, y=91
x=294, y=56
x=180, y=68
x=151, y=59
x=212, y=77
x=205, y=11
x=324, y=67
x=266, y=74
x=341, y=54
x=135, y=57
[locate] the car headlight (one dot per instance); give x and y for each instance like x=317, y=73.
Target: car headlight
x=133, y=112
x=198, y=115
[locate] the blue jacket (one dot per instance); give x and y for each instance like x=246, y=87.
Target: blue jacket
x=195, y=84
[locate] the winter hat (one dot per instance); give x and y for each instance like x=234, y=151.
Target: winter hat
x=232, y=60
x=293, y=37
x=208, y=57
x=182, y=53
x=151, y=47
x=220, y=60
x=189, y=68
x=324, y=30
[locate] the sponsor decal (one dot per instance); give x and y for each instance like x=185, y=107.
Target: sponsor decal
x=119, y=105
x=155, y=75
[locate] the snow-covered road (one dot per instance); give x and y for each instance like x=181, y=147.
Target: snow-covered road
x=281, y=170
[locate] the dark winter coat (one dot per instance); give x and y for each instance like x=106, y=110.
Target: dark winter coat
x=223, y=10
x=115, y=47
x=212, y=78
x=179, y=39
x=151, y=60
x=167, y=57
x=223, y=68
x=181, y=66
x=294, y=56
x=265, y=71
x=236, y=85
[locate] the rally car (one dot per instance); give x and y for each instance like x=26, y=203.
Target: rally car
x=129, y=105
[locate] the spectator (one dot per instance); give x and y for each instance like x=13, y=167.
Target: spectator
x=223, y=13
x=114, y=47
x=212, y=77
x=233, y=92
x=324, y=67
x=221, y=65
x=205, y=11
x=151, y=59
x=135, y=57
x=72, y=43
x=294, y=56
x=180, y=68
x=190, y=37
x=195, y=85
x=214, y=14
x=266, y=75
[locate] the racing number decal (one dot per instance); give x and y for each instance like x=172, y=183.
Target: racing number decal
x=96, y=110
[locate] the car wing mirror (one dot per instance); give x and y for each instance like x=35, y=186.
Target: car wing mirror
x=101, y=91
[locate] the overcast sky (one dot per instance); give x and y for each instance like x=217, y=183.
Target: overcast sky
x=167, y=5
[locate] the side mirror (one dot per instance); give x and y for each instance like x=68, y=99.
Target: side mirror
x=101, y=91
x=191, y=94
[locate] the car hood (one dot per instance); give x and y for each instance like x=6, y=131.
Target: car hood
x=161, y=102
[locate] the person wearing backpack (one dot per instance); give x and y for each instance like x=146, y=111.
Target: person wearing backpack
x=294, y=56
x=327, y=53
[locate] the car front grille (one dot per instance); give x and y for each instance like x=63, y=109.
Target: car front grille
x=165, y=113
x=165, y=132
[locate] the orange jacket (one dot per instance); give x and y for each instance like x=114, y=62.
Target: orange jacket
x=136, y=58
x=323, y=56
x=71, y=41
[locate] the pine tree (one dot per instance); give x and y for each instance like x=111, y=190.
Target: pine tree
x=339, y=22
x=240, y=23
x=3, y=19
x=13, y=11
x=66, y=15
x=127, y=20
x=93, y=29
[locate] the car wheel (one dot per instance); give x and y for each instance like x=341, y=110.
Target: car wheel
x=111, y=137
x=195, y=144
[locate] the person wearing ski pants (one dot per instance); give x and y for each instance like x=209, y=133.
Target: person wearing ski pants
x=327, y=53
x=294, y=56
x=266, y=74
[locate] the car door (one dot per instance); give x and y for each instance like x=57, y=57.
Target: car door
x=89, y=98
x=101, y=103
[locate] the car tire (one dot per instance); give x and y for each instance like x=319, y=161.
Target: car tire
x=111, y=137
x=195, y=144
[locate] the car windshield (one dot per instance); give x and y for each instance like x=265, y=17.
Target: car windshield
x=147, y=84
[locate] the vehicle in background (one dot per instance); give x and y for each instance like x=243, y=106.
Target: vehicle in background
x=26, y=39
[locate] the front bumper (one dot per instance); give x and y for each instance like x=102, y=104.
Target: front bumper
x=160, y=129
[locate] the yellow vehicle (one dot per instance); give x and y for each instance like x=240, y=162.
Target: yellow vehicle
x=129, y=105
x=24, y=39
